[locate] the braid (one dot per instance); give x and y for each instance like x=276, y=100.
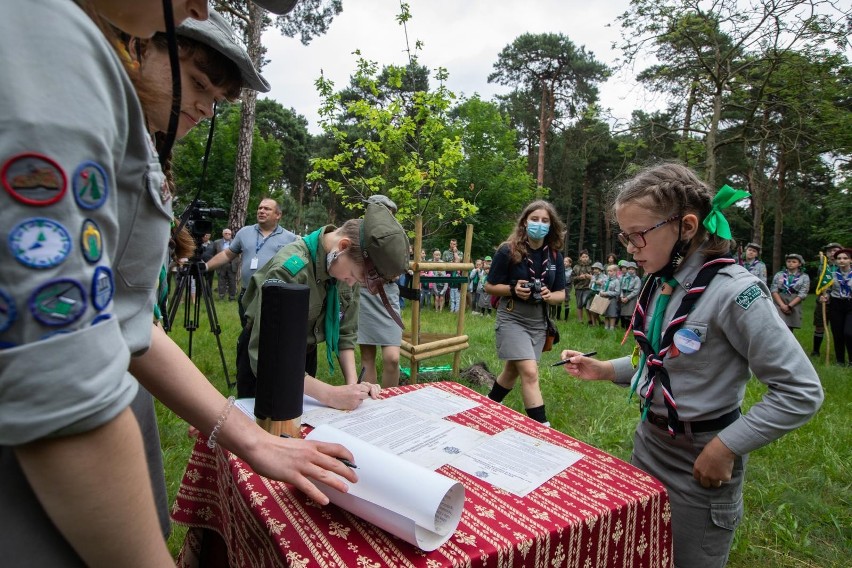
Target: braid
x=674, y=189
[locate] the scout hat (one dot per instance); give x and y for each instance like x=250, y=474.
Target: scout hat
x=216, y=33
x=754, y=246
x=598, y=265
x=384, y=200
x=797, y=257
x=629, y=264
x=280, y=7
x=830, y=246
x=385, y=249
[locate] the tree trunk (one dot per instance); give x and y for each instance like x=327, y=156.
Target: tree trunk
x=583, y=201
x=710, y=160
x=687, y=122
x=778, y=233
x=759, y=184
x=545, y=118
x=242, y=175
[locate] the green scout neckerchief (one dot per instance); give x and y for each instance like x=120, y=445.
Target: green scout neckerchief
x=332, y=302
x=715, y=222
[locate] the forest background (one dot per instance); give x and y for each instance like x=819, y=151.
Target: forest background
x=757, y=95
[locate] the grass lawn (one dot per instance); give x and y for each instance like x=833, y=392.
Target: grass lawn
x=798, y=501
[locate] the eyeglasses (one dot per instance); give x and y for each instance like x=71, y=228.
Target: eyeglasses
x=637, y=239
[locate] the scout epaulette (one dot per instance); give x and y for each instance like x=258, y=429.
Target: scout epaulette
x=294, y=264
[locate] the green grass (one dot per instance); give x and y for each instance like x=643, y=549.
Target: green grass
x=798, y=502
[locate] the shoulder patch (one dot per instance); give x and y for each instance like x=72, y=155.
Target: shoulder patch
x=748, y=296
x=294, y=264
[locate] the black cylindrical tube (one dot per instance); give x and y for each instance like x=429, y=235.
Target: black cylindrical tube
x=281, y=351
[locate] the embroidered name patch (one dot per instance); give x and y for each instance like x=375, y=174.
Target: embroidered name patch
x=748, y=296
x=293, y=264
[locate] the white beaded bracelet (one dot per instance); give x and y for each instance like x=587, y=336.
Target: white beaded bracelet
x=211, y=441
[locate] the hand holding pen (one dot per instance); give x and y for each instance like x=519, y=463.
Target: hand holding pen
x=568, y=360
x=582, y=366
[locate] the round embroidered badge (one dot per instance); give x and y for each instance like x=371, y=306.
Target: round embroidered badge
x=39, y=243
x=100, y=317
x=8, y=311
x=90, y=185
x=58, y=302
x=33, y=179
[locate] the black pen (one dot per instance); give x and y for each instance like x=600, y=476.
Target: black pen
x=568, y=360
x=344, y=461
x=361, y=375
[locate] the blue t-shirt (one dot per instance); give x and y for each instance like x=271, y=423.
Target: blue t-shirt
x=251, y=244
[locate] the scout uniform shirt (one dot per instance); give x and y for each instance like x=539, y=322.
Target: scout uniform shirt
x=293, y=264
x=85, y=220
x=732, y=328
x=579, y=270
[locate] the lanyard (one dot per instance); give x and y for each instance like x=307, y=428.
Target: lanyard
x=259, y=242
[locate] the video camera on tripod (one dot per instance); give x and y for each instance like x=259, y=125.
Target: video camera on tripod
x=199, y=221
x=193, y=285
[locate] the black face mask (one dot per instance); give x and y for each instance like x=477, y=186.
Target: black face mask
x=675, y=256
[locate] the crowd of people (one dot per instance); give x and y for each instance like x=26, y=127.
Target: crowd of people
x=83, y=353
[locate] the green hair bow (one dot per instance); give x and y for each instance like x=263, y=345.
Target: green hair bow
x=715, y=222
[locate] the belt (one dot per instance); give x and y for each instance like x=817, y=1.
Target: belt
x=714, y=425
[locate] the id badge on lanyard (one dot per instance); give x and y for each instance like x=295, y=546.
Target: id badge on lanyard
x=253, y=265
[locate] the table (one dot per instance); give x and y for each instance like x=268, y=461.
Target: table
x=599, y=512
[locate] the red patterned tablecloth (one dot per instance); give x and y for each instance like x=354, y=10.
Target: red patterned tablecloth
x=599, y=512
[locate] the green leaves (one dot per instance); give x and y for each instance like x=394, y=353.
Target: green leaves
x=392, y=135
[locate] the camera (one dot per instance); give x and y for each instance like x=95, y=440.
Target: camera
x=535, y=286
x=199, y=223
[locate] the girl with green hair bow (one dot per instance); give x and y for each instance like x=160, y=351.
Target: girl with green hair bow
x=703, y=326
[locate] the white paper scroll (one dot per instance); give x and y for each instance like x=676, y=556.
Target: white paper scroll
x=420, y=506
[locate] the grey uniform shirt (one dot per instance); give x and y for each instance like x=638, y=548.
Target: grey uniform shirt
x=84, y=219
x=739, y=329
x=250, y=243
x=758, y=268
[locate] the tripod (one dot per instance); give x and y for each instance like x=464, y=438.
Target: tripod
x=191, y=314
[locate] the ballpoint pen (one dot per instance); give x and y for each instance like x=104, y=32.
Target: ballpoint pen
x=568, y=360
x=344, y=461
